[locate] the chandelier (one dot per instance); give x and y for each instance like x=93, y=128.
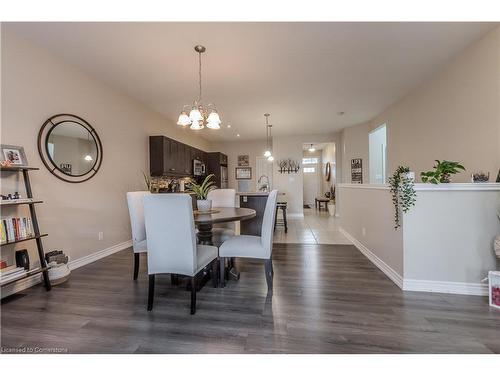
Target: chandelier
x=268, y=153
x=199, y=114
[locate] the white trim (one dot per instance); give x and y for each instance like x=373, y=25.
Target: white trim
x=83, y=261
x=473, y=289
x=467, y=186
x=489, y=186
x=379, y=263
x=74, y=264
x=299, y=215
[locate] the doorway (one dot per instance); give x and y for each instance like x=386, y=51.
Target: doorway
x=377, y=155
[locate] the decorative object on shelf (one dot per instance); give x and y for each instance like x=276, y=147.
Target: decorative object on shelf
x=199, y=114
x=70, y=148
x=147, y=181
x=403, y=192
x=23, y=259
x=269, y=140
x=442, y=172
x=480, y=177
x=13, y=156
x=288, y=166
x=243, y=160
x=243, y=173
x=328, y=171
x=357, y=171
x=201, y=191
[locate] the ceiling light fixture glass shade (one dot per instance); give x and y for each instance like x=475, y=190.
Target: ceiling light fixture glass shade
x=267, y=153
x=270, y=158
x=312, y=149
x=199, y=114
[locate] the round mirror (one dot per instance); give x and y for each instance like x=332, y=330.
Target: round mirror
x=70, y=148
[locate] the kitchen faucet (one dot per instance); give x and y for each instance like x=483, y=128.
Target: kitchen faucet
x=263, y=186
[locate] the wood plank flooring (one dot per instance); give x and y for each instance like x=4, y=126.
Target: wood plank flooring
x=327, y=299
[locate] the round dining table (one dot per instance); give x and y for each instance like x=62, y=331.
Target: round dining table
x=204, y=221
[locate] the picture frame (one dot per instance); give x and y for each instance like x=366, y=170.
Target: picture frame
x=243, y=173
x=243, y=160
x=357, y=171
x=15, y=154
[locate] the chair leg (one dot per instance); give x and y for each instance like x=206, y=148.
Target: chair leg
x=215, y=273
x=151, y=292
x=222, y=272
x=268, y=265
x=136, y=265
x=284, y=219
x=193, y=295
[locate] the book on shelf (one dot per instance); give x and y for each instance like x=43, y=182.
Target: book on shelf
x=13, y=274
x=6, y=202
x=16, y=228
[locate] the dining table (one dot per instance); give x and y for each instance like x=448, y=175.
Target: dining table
x=204, y=221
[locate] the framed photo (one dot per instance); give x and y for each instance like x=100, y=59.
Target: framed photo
x=66, y=168
x=356, y=171
x=243, y=173
x=243, y=160
x=14, y=154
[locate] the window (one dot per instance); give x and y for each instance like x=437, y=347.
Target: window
x=310, y=161
x=309, y=169
x=377, y=155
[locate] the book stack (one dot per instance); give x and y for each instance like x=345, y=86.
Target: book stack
x=16, y=228
x=11, y=273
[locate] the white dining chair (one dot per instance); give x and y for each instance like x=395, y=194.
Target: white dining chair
x=172, y=247
x=222, y=198
x=136, y=213
x=260, y=247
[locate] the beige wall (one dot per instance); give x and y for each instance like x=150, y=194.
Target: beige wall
x=455, y=115
x=37, y=85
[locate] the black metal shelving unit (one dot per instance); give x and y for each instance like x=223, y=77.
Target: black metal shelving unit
x=37, y=235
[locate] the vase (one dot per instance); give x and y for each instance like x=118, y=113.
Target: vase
x=204, y=204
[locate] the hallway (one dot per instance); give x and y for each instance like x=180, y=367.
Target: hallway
x=316, y=227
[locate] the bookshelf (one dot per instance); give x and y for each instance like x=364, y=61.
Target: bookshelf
x=31, y=202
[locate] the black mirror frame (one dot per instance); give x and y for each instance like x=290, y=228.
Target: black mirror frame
x=43, y=136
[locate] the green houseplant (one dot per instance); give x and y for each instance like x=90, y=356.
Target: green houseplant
x=403, y=192
x=443, y=169
x=201, y=191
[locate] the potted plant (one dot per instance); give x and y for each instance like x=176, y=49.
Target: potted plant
x=201, y=191
x=442, y=172
x=331, y=204
x=403, y=192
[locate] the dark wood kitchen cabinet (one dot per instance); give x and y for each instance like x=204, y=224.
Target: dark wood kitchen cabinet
x=168, y=157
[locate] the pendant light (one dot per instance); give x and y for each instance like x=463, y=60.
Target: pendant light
x=268, y=153
x=312, y=149
x=198, y=113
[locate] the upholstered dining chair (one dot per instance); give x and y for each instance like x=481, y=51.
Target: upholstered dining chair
x=172, y=247
x=136, y=212
x=245, y=246
x=222, y=198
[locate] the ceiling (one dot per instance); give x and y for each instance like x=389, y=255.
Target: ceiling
x=303, y=74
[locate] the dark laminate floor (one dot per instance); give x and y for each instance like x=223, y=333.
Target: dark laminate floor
x=327, y=299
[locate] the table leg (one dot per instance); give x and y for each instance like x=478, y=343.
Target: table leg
x=205, y=234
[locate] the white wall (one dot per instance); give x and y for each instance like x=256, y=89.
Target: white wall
x=36, y=85
x=455, y=115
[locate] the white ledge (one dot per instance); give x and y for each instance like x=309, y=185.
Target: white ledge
x=483, y=186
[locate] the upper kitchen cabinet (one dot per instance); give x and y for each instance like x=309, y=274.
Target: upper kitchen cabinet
x=168, y=157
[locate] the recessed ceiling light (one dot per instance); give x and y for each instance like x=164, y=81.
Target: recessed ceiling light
x=237, y=135
x=341, y=113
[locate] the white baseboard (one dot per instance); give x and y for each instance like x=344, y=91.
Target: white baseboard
x=432, y=286
x=74, y=264
x=472, y=289
x=381, y=265
x=80, y=262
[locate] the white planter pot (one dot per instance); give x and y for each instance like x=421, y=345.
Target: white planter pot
x=204, y=204
x=331, y=209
